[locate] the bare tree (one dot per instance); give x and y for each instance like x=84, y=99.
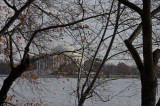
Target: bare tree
x=85, y=90
x=147, y=67
x=34, y=25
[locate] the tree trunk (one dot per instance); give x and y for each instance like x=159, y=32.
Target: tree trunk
x=14, y=74
x=81, y=102
x=149, y=93
x=147, y=69
x=158, y=103
x=5, y=88
x=149, y=82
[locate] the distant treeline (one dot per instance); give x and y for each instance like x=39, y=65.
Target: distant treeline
x=4, y=67
x=108, y=69
x=71, y=69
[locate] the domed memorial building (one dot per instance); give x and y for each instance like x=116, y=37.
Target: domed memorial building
x=67, y=60
x=67, y=55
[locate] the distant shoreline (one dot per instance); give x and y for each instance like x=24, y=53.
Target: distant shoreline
x=83, y=76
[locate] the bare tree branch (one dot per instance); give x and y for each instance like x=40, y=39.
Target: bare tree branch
x=156, y=56
x=135, y=55
x=107, y=53
x=132, y=6
x=52, y=27
x=139, y=28
x=9, y=5
x=96, y=52
x=14, y=17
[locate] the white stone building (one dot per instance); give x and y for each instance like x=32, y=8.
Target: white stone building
x=51, y=64
x=69, y=54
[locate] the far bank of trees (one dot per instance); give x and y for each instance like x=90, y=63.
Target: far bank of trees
x=71, y=69
x=107, y=70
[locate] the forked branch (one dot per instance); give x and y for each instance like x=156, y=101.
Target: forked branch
x=131, y=5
